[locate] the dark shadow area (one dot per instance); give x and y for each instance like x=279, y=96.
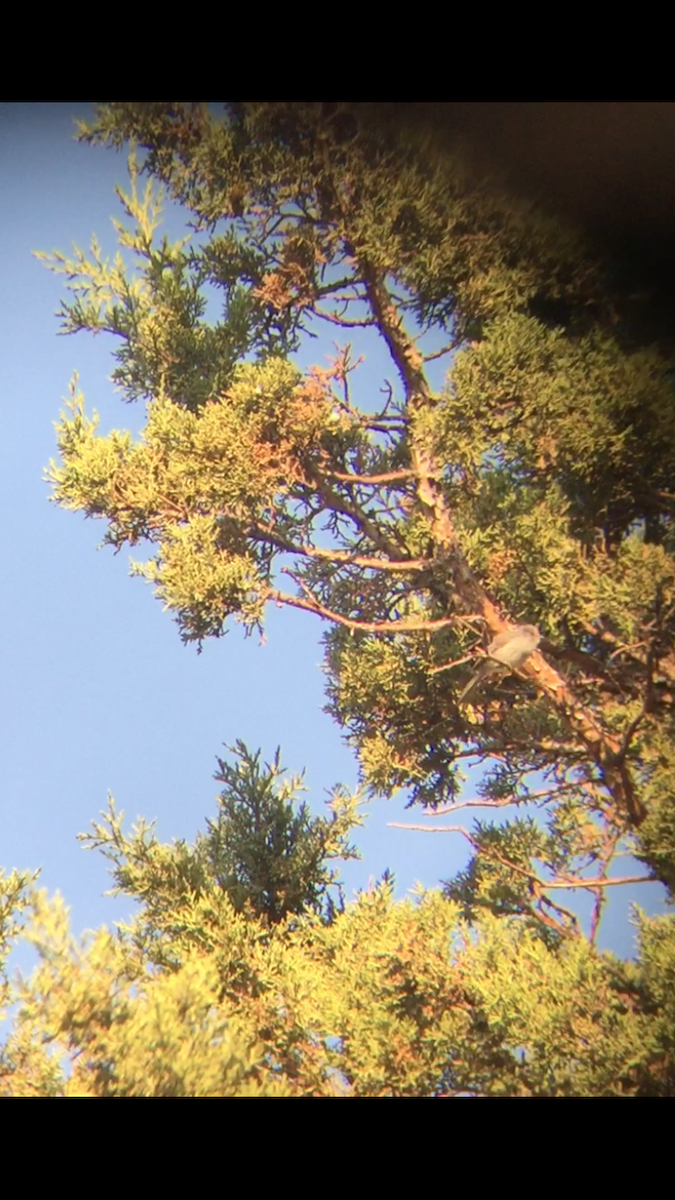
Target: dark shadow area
x=609, y=167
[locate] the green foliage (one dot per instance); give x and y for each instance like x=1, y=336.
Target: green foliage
x=267, y=854
x=14, y=901
x=93, y=1022
x=534, y=487
x=388, y=998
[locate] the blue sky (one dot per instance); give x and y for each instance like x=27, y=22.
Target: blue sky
x=97, y=692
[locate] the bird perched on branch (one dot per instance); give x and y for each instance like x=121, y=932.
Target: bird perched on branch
x=507, y=652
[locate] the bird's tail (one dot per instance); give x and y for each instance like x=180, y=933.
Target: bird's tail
x=471, y=687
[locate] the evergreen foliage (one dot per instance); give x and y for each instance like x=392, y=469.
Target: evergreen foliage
x=535, y=486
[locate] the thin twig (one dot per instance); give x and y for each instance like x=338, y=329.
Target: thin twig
x=372, y=480
x=398, y=627
x=630, y=731
x=345, y=322
x=439, y=353
x=457, y=662
x=561, y=884
x=479, y=803
x=600, y=883
x=338, y=556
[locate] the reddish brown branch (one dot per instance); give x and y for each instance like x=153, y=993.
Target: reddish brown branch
x=561, y=883
x=371, y=480
x=439, y=353
x=353, y=510
x=603, y=747
x=402, y=627
x=270, y=536
x=504, y=803
x=599, y=883
x=345, y=322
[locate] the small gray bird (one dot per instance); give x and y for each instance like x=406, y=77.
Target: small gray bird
x=508, y=650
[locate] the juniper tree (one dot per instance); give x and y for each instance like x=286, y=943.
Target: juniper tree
x=388, y=998
x=263, y=849
x=534, y=486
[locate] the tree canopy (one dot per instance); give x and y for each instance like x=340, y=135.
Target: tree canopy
x=419, y=524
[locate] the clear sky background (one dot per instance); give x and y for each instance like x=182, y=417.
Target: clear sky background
x=97, y=692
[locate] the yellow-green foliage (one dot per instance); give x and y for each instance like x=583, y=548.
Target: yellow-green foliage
x=391, y=998
x=203, y=993
x=534, y=487
x=94, y=1022
x=551, y=446
x=193, y=482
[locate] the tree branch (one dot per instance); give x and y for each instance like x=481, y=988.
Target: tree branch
x=560, y=883
x=345, y=322
x=480, y=803
x=337, y=503
x=397, y=627
x=344, y=557
x=603, y=747
x=600, y=883
x=371, y=480
x=439, y=353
